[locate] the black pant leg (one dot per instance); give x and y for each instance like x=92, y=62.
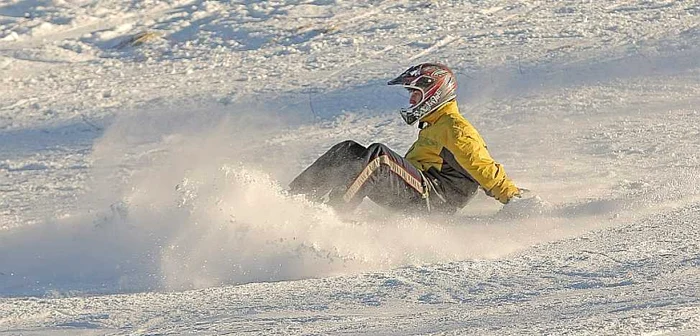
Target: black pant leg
x=350, y=172
x=388, y=180
x=334, y=169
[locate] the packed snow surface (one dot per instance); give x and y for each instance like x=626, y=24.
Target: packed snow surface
x=145, y=149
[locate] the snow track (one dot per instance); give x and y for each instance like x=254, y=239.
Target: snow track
x=591, y=284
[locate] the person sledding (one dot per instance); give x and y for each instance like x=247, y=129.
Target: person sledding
x=441, y=172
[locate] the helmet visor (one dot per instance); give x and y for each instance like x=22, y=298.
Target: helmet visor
x=414, y=96
x=415, y=99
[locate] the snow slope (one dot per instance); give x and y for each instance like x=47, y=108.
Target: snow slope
x=145, y=147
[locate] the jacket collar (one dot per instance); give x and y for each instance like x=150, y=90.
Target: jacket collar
x=449, y=108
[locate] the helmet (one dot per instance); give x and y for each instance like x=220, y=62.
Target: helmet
x=436, y=84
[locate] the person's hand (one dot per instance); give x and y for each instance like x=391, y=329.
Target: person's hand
x=518, y=194
x=512, y=192
x=524, y=193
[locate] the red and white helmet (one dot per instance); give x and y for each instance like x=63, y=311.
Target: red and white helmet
x=436, y=84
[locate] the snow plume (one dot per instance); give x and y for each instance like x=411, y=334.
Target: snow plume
x=191, y=200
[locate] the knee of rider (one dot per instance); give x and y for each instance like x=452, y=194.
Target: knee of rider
x=346, y=144
x=377, y=148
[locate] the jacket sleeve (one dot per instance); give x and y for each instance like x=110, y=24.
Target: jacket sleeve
x=470, y=152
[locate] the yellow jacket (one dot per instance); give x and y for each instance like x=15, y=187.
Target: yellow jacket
x=452, y=154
